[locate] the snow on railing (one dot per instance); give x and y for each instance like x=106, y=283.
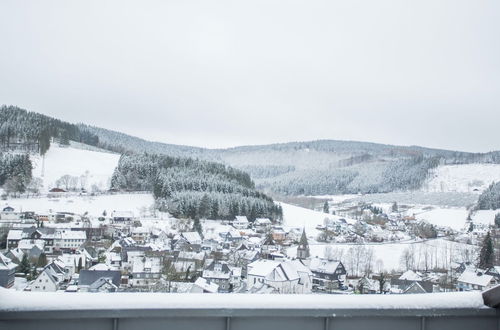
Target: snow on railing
x=31, y=301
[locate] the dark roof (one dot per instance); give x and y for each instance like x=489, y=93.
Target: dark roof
x=57, y=190
x=87, y=277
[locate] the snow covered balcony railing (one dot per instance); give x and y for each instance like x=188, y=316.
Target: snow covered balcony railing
x=150, y=311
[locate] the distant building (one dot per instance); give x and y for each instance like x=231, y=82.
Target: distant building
x=122, y=216
x=7, y=271
x=475, y=280
x=303, y=248
x=99, y=280
x=327, y=274
x=290, y=276
x=241, y=222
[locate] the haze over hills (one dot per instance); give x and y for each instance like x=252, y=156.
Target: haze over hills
x=294, y=168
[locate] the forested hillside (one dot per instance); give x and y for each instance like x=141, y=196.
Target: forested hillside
x=490, y=198
x=311, y=168
x=31, y=131
x=192, y=188
x=15, y=172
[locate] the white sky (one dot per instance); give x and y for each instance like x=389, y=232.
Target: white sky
x=226, y=73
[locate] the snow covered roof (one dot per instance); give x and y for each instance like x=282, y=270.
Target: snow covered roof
x=72, y=234
x=15, y=234
x=122, y=214
x=472, y=277
x=192, y=237
x=101, y=266
x=28, y=244
x=262, y=221
x=410, y=275
x=325, y=266
x=241, y=219
x=6, y=263
x=273, y=270
x=146, y=265
x=218, y=270
x=206, y=285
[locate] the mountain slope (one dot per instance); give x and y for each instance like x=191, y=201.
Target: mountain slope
x=311, y=168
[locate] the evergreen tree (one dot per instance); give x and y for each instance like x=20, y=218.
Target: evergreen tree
x=42, y=261
x=497, y=220
x=204, y=208
x=214, y=211
x=326, y=208
x=486, y=256
x=79, y=267
x=25, y=266
x=197, y=226
x=394, y=207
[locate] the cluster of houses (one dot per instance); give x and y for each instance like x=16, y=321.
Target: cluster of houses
x=120, y=252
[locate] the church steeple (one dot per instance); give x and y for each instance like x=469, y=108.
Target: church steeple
x=303, y=248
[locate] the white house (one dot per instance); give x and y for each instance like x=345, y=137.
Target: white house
x=289, y=276
x=241, y=222
x=475, y=280
x=203, y=286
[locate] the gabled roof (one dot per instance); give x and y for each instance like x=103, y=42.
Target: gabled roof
x=87, y=277
x=101, y=282
x=6, y=263
x=206, y=285
x=273, y=270
x=324, y=266
x=192, y=237
x=241, y=219
x=410, y=275
x=475, y=278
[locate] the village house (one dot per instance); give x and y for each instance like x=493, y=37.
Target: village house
x=327, y=274
x=99, y=280
x=218, y=272
x=146, y=270
x=478, y=280
x=262, y=225
x=202, y=285
x=7, y=271
x=290, y=276
x=51, y=277
x=122, y=216
x=240, y=222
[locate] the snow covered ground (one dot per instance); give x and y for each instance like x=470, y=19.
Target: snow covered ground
x=439, y=252
x=462, y=178
x=453, y=217
x=299, y=217
x=93, y=167
x=94, y=205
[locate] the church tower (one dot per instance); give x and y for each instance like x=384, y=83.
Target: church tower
x=303, y=248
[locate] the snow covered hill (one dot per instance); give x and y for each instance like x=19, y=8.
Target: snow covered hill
x=93, y=205
x=92, y=167
x=462, y=178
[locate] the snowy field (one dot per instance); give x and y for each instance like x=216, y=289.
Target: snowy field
x=94, y=205
x=455, y=199
x=299, y=217
x=91, y=167
x=462, y=178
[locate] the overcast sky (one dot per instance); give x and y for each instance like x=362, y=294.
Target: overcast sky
x=227, y=73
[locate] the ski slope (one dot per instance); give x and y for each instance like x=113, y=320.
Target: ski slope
x=462, y=178
x=90, y=166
